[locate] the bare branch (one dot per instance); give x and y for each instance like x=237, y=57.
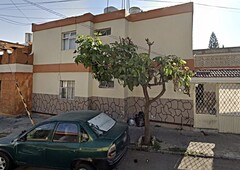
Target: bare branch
x=160, y=94
x=149, y=46
x=145, y=92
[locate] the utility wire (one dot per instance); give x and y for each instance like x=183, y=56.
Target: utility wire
x=45, y=2
x=20, y=10
x=46, y=9
x=14, y=22
x=112, y=36
x=215, y=6
x=15, y=16
x=200, y=4
x=84, y=25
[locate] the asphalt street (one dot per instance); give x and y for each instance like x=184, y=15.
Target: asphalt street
x=141, y=160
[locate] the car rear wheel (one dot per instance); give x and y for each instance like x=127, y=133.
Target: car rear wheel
x=84, y=167
x=4, y=162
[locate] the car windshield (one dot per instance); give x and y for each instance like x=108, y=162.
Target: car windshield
x=101, y=123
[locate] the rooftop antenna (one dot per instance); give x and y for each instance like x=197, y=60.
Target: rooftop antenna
x=123, y=4
x=128, y=5
x=107, y=5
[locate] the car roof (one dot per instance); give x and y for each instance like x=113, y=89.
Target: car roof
x=83, y=115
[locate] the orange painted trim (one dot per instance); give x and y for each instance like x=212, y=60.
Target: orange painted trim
x=48, y=68
x=190, y=63
x=222, y=67
x=161, y=12
x=120, y=14
x=62, y=22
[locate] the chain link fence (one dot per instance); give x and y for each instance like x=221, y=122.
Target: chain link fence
x=206, y=99
x=229, y=99
x=212, y=98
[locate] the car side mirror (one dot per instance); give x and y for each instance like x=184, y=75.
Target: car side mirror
x=22, y=133
x=22, y=137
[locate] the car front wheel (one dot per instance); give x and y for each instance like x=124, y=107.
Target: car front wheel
x=4, y=162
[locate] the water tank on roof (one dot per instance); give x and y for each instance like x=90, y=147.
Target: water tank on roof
x=135, y=10
x=110, y=9
x=28, y=38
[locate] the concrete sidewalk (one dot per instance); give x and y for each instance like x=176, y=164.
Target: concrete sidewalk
x=198, y=143
x=172, y=140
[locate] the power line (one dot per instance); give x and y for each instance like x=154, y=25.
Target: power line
x=14, y=16
x=45, y=2
x=14, y=22
x=20, y=10
x=200, y=4
x=73, y=8
x=87, y=26
x=215, y=6
x=46, y=9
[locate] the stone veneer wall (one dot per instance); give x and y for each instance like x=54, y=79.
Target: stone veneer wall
x=46, y=103
x=163, y=110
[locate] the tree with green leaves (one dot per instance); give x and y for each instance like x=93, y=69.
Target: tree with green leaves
x=213, y=42
x=120, y=60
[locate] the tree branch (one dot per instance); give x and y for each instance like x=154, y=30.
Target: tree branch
x=160, y=94
x=145, y=92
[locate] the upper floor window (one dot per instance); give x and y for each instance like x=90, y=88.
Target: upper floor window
x=106, y=84
x=68, y=40
x=103, y=32
x=67, y=88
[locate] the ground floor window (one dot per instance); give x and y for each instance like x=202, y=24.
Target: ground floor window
x=67, y=89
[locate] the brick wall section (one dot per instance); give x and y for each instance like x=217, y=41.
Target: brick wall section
x=25, y=84
x=5, y=57
x=10, y=101
x=19, y=56
x=7, y=96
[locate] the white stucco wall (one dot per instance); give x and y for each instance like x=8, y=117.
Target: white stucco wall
x=171, y=34
x=47, y=44
x=49, y=83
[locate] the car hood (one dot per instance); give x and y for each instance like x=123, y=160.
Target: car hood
x=6, y=140
x=116, y=131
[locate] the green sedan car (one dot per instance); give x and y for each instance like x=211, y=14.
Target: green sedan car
x=82, y=140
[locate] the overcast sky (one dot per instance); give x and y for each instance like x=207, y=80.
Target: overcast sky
x=220, y=16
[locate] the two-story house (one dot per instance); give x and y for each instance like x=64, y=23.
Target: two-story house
x=60, y=85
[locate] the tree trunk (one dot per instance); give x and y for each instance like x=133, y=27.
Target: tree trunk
x=147, y=136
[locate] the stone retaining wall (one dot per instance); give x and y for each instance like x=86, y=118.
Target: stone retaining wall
x=163, y=110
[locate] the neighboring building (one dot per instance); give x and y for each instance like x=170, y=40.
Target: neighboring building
x=60, y=85
x=217, y=89
x=15, y=66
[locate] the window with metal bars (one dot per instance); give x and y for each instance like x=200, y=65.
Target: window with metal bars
x=67, y=89
x=68, y=40
x=206, y=102
x=102, y=32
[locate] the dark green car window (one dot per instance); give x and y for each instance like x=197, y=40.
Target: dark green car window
x=41, y=133
x=66, y=132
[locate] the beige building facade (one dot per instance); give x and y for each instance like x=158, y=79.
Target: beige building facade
x=60, y=85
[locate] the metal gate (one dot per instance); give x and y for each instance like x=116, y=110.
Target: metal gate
x=218, y=106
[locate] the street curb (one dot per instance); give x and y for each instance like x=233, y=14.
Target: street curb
x=134, y=147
